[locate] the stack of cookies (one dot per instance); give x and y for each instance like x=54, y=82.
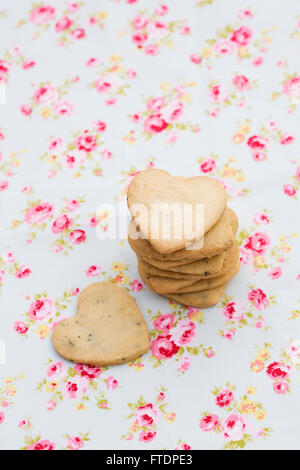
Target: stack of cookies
x=193, y=271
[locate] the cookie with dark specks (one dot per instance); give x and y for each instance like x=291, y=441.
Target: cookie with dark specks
x=108, y=328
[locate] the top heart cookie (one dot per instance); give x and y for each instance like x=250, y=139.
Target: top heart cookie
x=108, y=328
x=195, y=205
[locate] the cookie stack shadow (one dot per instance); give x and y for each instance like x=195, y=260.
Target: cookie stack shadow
x=195, y=277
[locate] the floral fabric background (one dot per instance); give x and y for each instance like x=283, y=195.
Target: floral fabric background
x=95, y=92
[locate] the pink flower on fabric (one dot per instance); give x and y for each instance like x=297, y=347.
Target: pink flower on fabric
x=233, y=311
x=78, y=33
x=63, y=24
x=219, y=93
x=86, y=142
x=63, y=108
x=173, y=111
x=276, y=273
x=42, y=445
x=147, y=436
x=209, y=422
x=259, y=298
x=152, y=49
x=139, y=22
x=155, y=124
x=229, y=334
x=242, y=83
x=258, y=243
x=44, y=94
x=241, y=36
x=287, y=139
x=41, y=308
x=164, y=322
x=261, y=218
x=88, y=372
x=280, y=387
x=195, y=58
x=147, y=415
x=76, y=387
x=155, y=104
x=289, y=190
x=224, y=47
x=72, y=204
x=20, y=327
x=292, y=87
x=183, y=332
x=42, y=14
x=39, y=213
x=224, y=398
x=77, y=237
x=93, y=271
x=111, y=383
x=62, y=223
x=278, y=370
x=136, y=286
x=164, y=348
x=23, y=271
x=75, y=443
x=208, y=165
x=234, y=427
x=55, y=370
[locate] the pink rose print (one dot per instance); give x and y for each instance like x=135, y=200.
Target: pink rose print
x=234, y=427
x=280, y=388
x=61, y=223
x=241, y=36
x=259, y=298
x=233, y=311
x=93, y=271
x=23, y=271
x=209, y=423
x=136, y=286
x=183, y=333
x=75, y=443
x=147, y=415
x=276, y=273
x=164, y=322
x=148, y=30
x=208, y=165
x=289, y=190
x=44, y=94
x=39, y=213
x=55, y=370
x=75, y=388
x=87, y=372
x=258, y=243
x=42, y=14
x=147, y=436
x=111, y=383
x=2, y=417
x=224, y=398
x=20, y=327
x=41, y=308
x=77, y=237
x=277, y=370
x=44, y=444
x=163, y=347
x=164, y=114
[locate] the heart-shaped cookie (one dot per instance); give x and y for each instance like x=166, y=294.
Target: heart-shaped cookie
x=155, y=191
x=108, y=328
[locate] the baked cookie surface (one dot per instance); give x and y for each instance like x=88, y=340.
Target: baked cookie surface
x=108, y=328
